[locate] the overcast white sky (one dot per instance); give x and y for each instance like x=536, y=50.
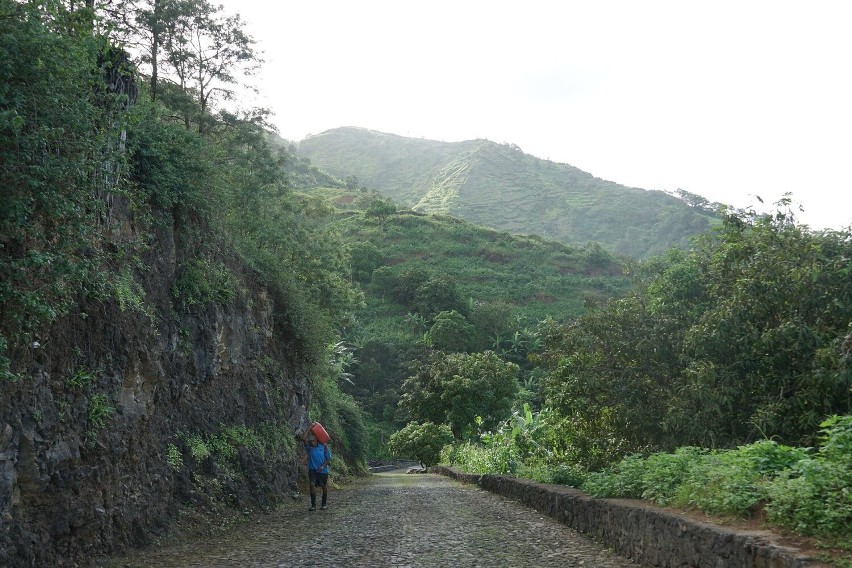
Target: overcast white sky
x=727, y=99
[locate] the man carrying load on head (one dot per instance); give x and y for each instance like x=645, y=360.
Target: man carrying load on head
x=317, y=458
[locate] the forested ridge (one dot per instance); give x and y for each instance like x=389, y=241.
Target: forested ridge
x=182, y=293
x=500, y=186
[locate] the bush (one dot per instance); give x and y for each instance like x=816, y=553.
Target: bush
x=726, y=482
x=814, y=496
x=201, y=281
x=560, y=474
x=422, y=441
x=722, y=483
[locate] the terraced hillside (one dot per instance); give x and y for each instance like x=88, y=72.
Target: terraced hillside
x=499, y=186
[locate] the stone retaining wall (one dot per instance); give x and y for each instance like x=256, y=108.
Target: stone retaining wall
x=646, y=535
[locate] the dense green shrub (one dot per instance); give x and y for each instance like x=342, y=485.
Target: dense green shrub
x=451, y=332
x=421, y=441
x=721, y=482
x=801, y=489
x=814, y=496
x=203, y=280
x=341, y=417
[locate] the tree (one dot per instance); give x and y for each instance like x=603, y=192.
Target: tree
x=738, y=339
x=438, y=294
x=451, y=332
x=380, y=209
x=365, y=257
x=422, y=441
x=492, y=321
x=205, y=49
x=457, y=388
x=407, y=283
x=384, y=281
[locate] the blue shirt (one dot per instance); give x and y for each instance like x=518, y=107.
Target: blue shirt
x=318, y=455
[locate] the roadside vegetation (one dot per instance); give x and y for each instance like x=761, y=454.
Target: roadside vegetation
x=721, y=383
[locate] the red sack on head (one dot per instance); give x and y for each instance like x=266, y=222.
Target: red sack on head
x=319, y=432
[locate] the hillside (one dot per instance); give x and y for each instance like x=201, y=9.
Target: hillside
x=412, y=266
x=499, y=186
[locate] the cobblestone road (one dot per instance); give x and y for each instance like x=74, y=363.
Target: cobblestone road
x=399, y=520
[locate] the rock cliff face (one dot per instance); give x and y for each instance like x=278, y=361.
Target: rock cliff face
x=109, y=431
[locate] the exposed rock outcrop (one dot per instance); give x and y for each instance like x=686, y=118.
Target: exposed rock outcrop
x=96, y=437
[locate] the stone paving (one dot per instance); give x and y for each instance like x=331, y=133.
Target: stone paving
x=393, y=519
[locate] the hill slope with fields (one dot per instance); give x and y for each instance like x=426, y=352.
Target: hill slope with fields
x=499, y=186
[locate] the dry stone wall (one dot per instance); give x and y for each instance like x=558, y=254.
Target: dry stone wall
x=647, y=535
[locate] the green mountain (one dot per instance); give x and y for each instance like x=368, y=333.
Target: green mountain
x=499, y=186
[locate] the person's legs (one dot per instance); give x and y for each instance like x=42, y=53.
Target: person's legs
x=324, y=482
x=312, y=480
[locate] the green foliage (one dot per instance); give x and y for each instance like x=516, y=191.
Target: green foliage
x=525, y=445
x=409, y=281
x=6, y=373
x=201, y=281
x=98, y=413
x=503, y=284
x=451, y=332
x=174, y=458
x=728, y=483
x=80, y=379
x=266, y=441
x=560, y=473
x=378, y=433
x=481, y=459
x=380, y=209
x=129, y=293
x=284, y=237
x=737, y=339
x=804, y=490
x=767, y=338
x=814, y=497
x=169, y=164
x=497, y=185
x=341, y=417
x=364, y=258
x=205, y=50
x=723, y=483
x=457, y=388
x=198, y=448
x=422, y=441
x=438, y=294
x=498, y=453
x=58, y=130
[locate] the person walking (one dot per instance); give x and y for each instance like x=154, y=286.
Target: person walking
x=317, y=458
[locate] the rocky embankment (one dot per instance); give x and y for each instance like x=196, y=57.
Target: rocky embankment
x=98, y=438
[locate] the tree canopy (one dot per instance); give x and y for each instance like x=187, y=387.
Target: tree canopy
x=457, y=388
x=745, y=336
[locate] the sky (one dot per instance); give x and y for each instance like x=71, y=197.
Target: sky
x=732, y=100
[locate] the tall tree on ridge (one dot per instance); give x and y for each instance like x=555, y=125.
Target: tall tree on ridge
x=206, y=49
